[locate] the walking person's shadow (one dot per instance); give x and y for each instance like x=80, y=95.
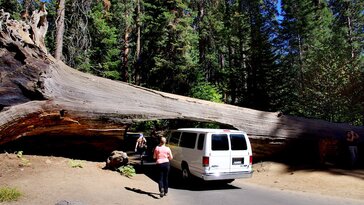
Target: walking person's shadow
x=139, y=191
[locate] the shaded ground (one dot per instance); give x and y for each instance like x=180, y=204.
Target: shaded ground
x=48, y=180
x=326, y=181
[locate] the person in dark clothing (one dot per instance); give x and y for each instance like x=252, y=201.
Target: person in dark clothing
x=352, y=140
x=141, y=146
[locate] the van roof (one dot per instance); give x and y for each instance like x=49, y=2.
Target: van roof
x=206, y=130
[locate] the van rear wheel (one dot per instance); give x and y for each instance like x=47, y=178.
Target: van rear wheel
x=185, y=173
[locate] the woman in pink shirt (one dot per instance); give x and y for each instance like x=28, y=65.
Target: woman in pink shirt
x=163, y=154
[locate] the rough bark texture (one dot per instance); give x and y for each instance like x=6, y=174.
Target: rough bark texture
x=42, y=96
x=59, y=29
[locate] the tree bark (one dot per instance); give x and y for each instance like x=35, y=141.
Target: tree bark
x=59, y=29
x=202, y=40
x=42, y=96
x=137, y=51
x=125, y=55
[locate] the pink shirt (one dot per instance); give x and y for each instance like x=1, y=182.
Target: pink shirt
x=162, y=154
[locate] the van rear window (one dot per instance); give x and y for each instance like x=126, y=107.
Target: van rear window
x=219, y=142
x=238, y=142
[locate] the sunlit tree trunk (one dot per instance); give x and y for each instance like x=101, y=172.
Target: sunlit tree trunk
x=137, y=52
x=59, y=29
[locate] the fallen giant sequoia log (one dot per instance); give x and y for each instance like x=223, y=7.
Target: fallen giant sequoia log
x=42, y=96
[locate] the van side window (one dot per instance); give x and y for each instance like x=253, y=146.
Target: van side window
x=200, y=142
x=174, y=139
x=188, y=140
x=238, y=142
x=219, y=142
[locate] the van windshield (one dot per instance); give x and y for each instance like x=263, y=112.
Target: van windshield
x=238, y=142
x=219, y=142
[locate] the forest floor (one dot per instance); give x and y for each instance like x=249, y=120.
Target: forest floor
x=48, y=180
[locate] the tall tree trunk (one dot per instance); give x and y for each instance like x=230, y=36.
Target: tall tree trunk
x=59, y=29
x=350, y=36
x=126, y=49
x=137, y=52
x=125, y=55
x=243, y=62
x=202, y=40
x=300, y=63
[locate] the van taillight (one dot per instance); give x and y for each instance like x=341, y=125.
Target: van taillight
x=251, y=159
x=205, y=161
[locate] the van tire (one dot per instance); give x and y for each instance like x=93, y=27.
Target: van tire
x=186, y=175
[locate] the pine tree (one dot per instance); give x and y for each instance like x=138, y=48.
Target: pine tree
x=168, y=50
x=261, y=65
x=301, y=35
x=106, y=48
x=318, y=55
x=348, y=38
x=123, y=13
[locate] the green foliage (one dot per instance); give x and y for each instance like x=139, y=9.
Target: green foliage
x=123, y=15
x=149, y=126
x=8, y=194
x=83, y=62
x=106, y=51
x=75, y=163
x=51, y=18
x=323, y=61
x=169, y=43
x=206, y=91
x=11, y=6
x=127, y=171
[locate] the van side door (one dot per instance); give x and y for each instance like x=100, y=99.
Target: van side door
x=189, y=152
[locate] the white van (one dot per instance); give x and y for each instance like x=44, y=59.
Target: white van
x=211, y=154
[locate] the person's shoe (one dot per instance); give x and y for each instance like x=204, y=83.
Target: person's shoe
x=162, y=193
x=165, y=194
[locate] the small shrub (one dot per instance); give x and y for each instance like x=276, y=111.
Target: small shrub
x=19, y=154
x=127, y=170
x=24, y=162
x=9, y=194
x=75, y=163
